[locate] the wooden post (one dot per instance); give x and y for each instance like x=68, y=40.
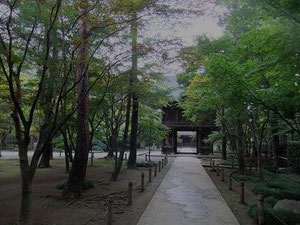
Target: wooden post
x=92, y=158
x=155, y=170
x=142, y=182
x=218, y=170
x=223, y=174
x=130, y=185
x=162, y=163
x=242, y=192
x=230, y=181
x=150, y=175
x=159, y=166
x=110, y=211
x=260, y=210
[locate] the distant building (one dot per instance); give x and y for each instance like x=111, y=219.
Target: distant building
x=174, y=119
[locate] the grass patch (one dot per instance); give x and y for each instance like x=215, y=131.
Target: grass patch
x=87, y=184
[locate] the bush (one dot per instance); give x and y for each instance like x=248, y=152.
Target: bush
x=145, y=164
x=263, y=189
x=271, y=201
x=278, y=187
x=87, y=184
x=243, y=177
x=289, y=218
x=294, y=155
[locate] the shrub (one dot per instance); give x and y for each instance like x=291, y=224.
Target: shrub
x=279, y=187
x=87, y=184
x=243, y=177
x=145, y=164
x=261, y=188
x=271, y=201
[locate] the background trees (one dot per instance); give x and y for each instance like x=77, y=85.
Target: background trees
x=250, y=80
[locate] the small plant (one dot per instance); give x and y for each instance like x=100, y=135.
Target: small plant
x=87, y=184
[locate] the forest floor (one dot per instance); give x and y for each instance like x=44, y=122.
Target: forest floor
x=48, y=208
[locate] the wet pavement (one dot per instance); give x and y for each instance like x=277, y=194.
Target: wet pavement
x=187, y=196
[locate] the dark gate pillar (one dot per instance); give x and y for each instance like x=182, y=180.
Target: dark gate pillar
x=174, y=141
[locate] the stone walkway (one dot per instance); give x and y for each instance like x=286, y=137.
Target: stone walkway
x=187, y=196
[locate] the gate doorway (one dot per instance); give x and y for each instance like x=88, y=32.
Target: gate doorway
x=187, y=142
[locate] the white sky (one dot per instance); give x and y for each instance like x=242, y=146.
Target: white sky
x=187, y=29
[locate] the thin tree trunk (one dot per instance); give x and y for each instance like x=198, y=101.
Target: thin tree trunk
x=275, y=139
x=67, y=150
x=135, y=101
x=119, y=163
x=224, y=145
x=240, y=145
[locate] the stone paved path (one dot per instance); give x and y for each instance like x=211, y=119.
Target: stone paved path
x=187, y=196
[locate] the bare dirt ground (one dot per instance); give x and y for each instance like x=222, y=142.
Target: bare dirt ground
x=232, y=197
x=48, y=208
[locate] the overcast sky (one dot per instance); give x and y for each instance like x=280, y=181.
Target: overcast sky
x=187, y=29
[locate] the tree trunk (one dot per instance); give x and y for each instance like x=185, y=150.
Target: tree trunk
x=68, y=150
x=275, y=139
x=110, y=153
x=135, y=101
x=25, y=209
x=46, y=157
x=78, y=170
x=258, y=147
x=119, y=163
x=240, y=145
x=224, y=148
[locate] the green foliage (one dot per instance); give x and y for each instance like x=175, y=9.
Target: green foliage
x=58, y=142
x=87, y=184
